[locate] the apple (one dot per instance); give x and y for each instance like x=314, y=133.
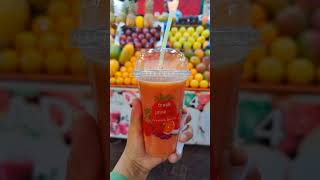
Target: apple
x=201, y=67
x=206, y=60
x=206, y=75
x=187, y=45
x=177, y=45
x=291, y=21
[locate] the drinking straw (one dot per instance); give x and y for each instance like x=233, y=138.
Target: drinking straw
x=166, y=34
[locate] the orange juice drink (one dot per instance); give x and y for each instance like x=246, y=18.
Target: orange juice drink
x=162, y=93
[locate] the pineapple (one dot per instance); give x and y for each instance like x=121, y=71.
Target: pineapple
x=131, y=18
x=123, y=14
x=148, y=17
x=112, y=17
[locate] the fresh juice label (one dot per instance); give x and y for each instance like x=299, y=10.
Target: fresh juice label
x=162, y=119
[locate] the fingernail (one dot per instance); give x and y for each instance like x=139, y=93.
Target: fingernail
x=183, y=137
x=179, y=149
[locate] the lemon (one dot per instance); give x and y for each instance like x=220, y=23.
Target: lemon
x=134, y=81
x=270, y=70
x=284, y=49
x=301, y=71
x=114, y=66
x=194, y=83
x=198, y=77
x=204, y=84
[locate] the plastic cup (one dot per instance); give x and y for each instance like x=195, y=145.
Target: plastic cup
x=162, y=94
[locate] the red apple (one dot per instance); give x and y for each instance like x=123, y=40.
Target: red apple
x=291, y=21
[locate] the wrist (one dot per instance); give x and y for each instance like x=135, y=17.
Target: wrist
x=130, y=169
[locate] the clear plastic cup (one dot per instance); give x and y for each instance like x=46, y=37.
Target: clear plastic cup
x=162, y=94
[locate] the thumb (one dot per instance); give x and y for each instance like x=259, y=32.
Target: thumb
x=136, y=116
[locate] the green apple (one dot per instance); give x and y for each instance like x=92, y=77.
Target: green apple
x=206, y=33
x=182, y=29
x=191, y=40
x=190, y=30
x=174, y=30
x=177, y=45
x=199, y=29
x=187, y=45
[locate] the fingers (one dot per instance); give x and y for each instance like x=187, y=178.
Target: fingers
x=186, y=134
x=186, y=116
x=174, y=158
x=85, y=159
x=238, y=157
x=136, y=115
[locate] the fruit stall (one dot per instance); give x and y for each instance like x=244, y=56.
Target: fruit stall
x=43, y=77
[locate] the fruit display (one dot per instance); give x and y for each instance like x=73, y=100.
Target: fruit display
x=140, y=37
x=290, y=39
x=189, y=37
x=39, y=38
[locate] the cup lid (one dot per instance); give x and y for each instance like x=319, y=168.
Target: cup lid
x=175, y=65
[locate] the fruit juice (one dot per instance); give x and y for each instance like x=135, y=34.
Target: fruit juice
x=162, y=93
x=225, y=100
x=162, y=104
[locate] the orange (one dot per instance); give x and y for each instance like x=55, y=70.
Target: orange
x=134, y=81
x=168, y=127
x=130, y=70
x=42, y=24
x=199, y=53
x=31, y=62
x=119, y=80
x=190, y=66
x=26, y=41
x=64, y=26
x=137, y=54
x=9, y=61
x=118, y=74
x=194, y=72
x=190, y=78
x=128, y=64
x=258, y=15
x=268, y=33
x=127, y=81
x=112, y=80
x=123, y=69
x=48, y=42
x=58, y=9
x=56, y=62
x=187, y=83
x=133, y=59
x=125, y=74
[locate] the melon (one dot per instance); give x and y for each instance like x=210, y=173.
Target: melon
x=14, y=16
x=115, y=51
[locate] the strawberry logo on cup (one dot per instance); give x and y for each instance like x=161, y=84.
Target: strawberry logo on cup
x=163, y=118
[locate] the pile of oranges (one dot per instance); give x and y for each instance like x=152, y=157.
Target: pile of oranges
x=123, y=75
x=45, y=46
